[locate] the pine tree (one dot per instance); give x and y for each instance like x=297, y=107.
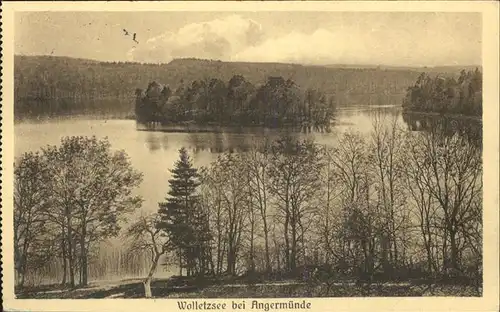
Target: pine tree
x=179, y=211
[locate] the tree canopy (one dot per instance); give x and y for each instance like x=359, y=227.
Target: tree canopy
x=277, y=102
x=75, y=194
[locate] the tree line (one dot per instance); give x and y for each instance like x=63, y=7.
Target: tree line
x=278, y=102
x=447, y=94
x=46, y=86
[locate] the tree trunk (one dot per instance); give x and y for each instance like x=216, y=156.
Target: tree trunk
x=293, y=254
x=180, y=262
x=24, y=258
x=230, y=261
x=428, y=246
x=327, y=217
x=22, y=273
x=149, y=278
x=454, y=252
x=266, y=245
x=445, y=252
x=18, y=278
x=80, y=271
x=23, y=276
x=219, y=251
x=65, y=262
x=252, y=256
x=84, y=270
x=287, y=243
x=385, y=250
x=71, y=254
x=263, y=210
x=23, y=266
x=83, y=257
x=147, y=288
x=278, y=262
x=303, y=243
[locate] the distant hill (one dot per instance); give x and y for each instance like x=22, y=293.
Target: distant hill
x=426, y=69
x=49, y=85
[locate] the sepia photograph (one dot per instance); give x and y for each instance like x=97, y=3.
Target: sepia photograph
x=257, y=154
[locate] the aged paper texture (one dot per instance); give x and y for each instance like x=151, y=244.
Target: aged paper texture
x=250, y=156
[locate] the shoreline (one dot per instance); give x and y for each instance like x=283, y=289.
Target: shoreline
x=442, y=115
x=192, y=127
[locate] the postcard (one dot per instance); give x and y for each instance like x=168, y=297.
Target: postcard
x=260, y=156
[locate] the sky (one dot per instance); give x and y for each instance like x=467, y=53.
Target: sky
x=318, y=38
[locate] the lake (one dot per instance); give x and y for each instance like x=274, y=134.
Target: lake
x=153, y=153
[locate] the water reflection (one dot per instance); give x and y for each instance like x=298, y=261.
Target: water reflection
x=219, y=142
x=242, y=139
x=468, y=127
x=155, y=142
x=372, y=111
x=236, y=140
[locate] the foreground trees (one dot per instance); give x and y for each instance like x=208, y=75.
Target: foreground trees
x=391, y=205
x=79, y=191
x=226, y=181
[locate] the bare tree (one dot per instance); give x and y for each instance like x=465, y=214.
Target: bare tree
x=145, y=236
x=294, y=170
x=386, y=148
x=452, y=175
x=258, y=164
x=227, y=174
x=425, y=208
x=329, y=215
x=211, y=191
x=349, y=161
x=360, y=229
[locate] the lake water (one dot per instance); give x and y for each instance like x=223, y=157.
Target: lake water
x=153, y=153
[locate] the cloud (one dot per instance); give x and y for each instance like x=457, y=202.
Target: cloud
x=353, y=46
x=406, y=42
x=216, y=39
x=298, y=47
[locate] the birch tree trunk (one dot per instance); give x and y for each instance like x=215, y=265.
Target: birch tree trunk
x=149, y=278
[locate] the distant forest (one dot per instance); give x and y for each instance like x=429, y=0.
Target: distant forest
x=47, y=86
x=446, y=94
